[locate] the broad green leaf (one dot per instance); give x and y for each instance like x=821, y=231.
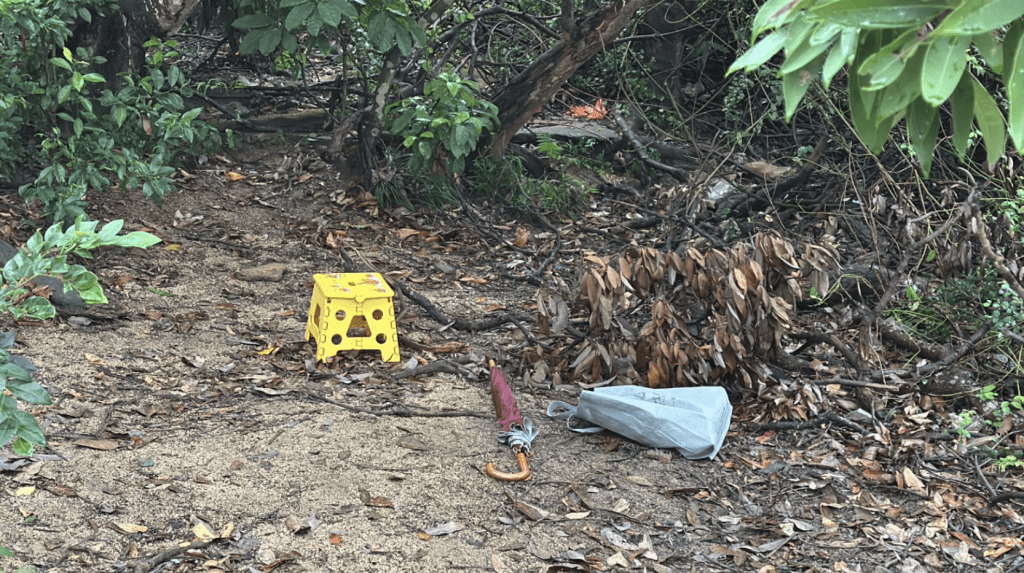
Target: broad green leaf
x=330, y=12
x=1010, y=42
x=884, y=66
x=250, y=42
x=252, y=21
x=977, y=16
x=802, y=55
x=760, y=52
x=37, y=307
x=289, y=42
x=298, y=15
x=7, y=339
x=404, y=40
x=377, y=31
x=25, y=449
x=8, y=428
x=795, y=85
x=842, y=53
x=895, y=97
x=78, y=81
x=270, y=41
x=314, y=24
x=863, y=103
x=290, y=3
x=799, y=31
x=29, y=392
x=923, y=128
x=138, y=239
x=880, y=14
x=61, y=63
x=28, y=428
x=989, y=49
x=773, y=14
x=1015, y=93
x=990, y=122
x=944, y=63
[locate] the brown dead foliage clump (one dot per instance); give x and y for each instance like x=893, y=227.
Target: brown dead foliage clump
x=692, y=318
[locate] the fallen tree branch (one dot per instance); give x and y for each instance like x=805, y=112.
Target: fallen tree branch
x=638, y=147
x=168, y=554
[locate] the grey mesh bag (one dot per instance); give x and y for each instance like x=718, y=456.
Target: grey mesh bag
x=691, y=420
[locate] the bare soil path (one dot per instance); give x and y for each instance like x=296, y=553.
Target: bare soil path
x=192, y=430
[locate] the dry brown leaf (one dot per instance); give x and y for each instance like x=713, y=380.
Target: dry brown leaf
x=105, y=445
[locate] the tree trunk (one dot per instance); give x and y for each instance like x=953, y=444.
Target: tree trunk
x=119, y=36
x=536, y=85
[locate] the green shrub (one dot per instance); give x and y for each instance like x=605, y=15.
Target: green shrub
x=55, y=112
x=46, y=254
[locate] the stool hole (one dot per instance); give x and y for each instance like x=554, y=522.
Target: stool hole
x=336, y=339
x=340, y=315
x=358, y=327
x=381, y=339
x=378, y=314
x=316, y=315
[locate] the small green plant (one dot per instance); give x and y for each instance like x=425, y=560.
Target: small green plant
x=5, y=552
x=444, y=125
x=46, y=254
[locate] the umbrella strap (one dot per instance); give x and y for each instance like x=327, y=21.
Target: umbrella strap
x=520, y=435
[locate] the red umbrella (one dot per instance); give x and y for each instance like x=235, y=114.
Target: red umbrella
x=516, y=431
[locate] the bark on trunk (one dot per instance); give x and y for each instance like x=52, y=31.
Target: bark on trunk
x=529, y=91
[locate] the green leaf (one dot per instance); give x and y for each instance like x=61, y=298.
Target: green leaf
x=989, y=49
x=944, y=62
x=61, y=63
x=895, y=97
x=7, y=339
x=77, y=81
x=923, y=128
x=94, y=78
x=990, y=122
x=290, y=3
x=5, y=552
x=1010, y=42
x=799, y=32
x=802, y=55
x=270, y=41
x=29, y=392
x=289, y=42
x=884, y=66
x=8, y=426
x=404, y=41
x=880, y=14
x=253, y=21
x=962, y=104
x=795, y=85
x=23, y=448
x=1015, y=93
x=37, y=307
x=314, y=24
x=841, y=54
x=760, y=52
x=251, y=41
x=977, y=16
x=28, y=428
x=330, y=12
x=872, y=133
x=773, y=14
x=298, y=15
x=380, y=35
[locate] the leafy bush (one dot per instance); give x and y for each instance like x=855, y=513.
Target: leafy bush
x=56, y=112
x=46, y=255
x=906, y=57
x=444, y=125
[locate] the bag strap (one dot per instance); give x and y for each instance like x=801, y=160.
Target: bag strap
x=563, y=411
